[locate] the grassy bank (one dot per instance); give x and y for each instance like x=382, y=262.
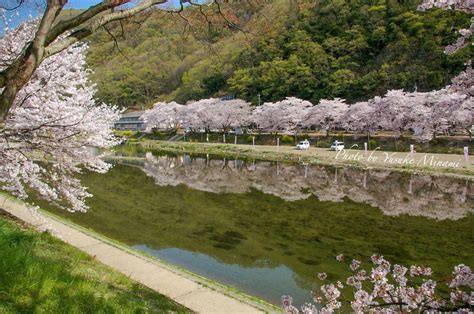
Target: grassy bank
x=315, y=156
x=386, y=141
x=45, y=275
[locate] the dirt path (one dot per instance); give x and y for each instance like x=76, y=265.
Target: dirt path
x=158, y=276
x=446, y=164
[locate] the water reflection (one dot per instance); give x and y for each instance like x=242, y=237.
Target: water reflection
x=267, y=282
x=269, y=228
x=394, y=193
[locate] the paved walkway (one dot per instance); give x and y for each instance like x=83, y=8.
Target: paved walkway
x=153, y=274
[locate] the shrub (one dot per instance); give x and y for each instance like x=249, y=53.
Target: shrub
x=287, y=139
x=372, y=144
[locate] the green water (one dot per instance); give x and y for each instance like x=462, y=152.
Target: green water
x=269, y=228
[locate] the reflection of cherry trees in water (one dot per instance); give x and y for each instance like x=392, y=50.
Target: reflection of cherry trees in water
x=394, y=193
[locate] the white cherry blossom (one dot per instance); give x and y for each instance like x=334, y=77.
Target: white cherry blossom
x=54, y=126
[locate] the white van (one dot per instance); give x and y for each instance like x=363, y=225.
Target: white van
x=337, y=146
x=303, y=145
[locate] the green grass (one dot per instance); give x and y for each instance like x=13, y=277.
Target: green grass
x=42, y=274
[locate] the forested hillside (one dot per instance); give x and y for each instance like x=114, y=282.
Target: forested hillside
x=334, y=48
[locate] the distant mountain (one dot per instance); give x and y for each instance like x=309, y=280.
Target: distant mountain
x=334, y=48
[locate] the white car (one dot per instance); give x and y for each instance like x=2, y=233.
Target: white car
x=303, y=145
x=337, y=146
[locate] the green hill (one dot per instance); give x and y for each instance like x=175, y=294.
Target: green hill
x=349, y=49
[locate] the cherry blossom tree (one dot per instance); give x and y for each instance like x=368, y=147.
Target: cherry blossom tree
x=391, y=289
x=199, y=114
x=464, y=82
x=53, y=125
x=216, y=114
x=439, y=112
x=227, y=114
x=327, y=115
x=294, y=114
x=391, y=111
x=267, y=117
x=359, y=118
x=287, y=115
x=463, y=116
x=164, y=115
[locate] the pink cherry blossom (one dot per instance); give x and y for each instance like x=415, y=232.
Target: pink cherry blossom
x=322, y=276
x=420, y=271
x=327, y=115
x=462, y=276
x=214, y=113
x=355, y=264
x=362, y=301
x=289, y=115
x=396, y=293
x=340, y=257
x=168, y=116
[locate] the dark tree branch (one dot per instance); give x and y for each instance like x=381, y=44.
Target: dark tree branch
x=20, y=3
x=116, y=45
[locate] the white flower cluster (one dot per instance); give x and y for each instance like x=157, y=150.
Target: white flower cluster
x=383, y=294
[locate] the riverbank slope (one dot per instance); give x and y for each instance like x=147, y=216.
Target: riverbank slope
x=159, y=279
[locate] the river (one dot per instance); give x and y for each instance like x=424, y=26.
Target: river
x=268, y=228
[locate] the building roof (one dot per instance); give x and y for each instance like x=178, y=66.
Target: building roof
x=133, y=114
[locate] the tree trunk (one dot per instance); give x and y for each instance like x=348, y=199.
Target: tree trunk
x=17, y=75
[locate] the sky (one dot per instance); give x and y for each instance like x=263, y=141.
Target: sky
x=30, y=9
